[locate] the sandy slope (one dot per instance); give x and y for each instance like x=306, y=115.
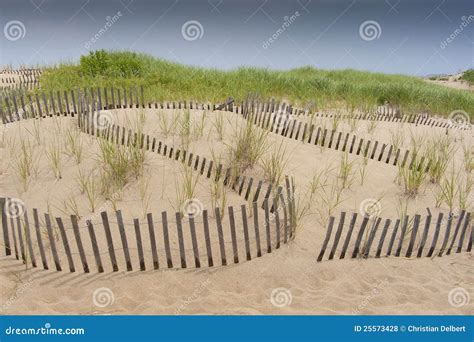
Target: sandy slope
x=385, y=286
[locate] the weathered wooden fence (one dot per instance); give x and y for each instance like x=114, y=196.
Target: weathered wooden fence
x=183, y=241
x=407, y=237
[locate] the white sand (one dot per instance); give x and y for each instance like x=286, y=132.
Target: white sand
x=384, y=286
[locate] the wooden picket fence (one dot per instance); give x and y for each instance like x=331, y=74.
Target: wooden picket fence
x=405, y=239
x=251, y=234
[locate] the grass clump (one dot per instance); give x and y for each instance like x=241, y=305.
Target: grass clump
x=275, y=163
x=247, y=146
x=412, y=177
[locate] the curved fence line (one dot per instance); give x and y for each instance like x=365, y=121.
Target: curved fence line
x=43, y=240
x=405, y=237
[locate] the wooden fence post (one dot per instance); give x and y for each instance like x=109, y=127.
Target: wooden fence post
x=123, y=237
x=220, y=234
x=326, y=239
x=210, y=261
x=151, y=233
x=95, y=247
x=348, y=236
x=414, y=232
x=67, y=249
x=233, y=235
x=182, y=252
x=110, y=242
x=52, y=243
x=463, y=233
x=39, y=239
x=338, y=235
x=77, y=235
x=435, y=236
x=6, y=238
x=382, y=238
x=192, y=227
x=138, y=235
x=166, y=240
x=424, y=236
x=456, y=231
x=355, y=252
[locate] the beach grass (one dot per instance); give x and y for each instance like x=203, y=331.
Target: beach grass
x=164, y=80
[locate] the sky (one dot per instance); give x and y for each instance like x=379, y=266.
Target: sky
x=415, y=37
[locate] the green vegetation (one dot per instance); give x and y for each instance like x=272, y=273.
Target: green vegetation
x=164, y=80
x=469, y=76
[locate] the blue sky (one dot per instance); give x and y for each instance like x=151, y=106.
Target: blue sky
x=400, y=36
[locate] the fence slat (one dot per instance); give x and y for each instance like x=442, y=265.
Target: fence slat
x=220, y=235
x=95, y=247
x=424, y=236
x=6, y=238
x=138, y=235
x=182, y=251
x=338, y=235
x=67, y=249
x=151, y=233
x=348, y=236
x=277, y=219
x=456, y=231
x=123, y=237
x=267, y=226
x=52, y=243
x=28, y=239
x=392, y=238
x=39, y=239
x=192, y=227
x=402, y=236
x=414, y=233
x=257, y=231
x=77, y=235
x=463, y=233
x=326, y=239
x=446, y=235
x=207, y=237
x=233, y=235
x=20, y=238
x=164, y=219
x=243, y=209
x=382, y=238
x=366, y=249
x=110, y=242
x=435, y=236
x=355, y=252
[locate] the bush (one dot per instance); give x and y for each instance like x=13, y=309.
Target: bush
x=112, y=64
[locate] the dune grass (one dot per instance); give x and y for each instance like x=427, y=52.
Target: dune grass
x=164, y=80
